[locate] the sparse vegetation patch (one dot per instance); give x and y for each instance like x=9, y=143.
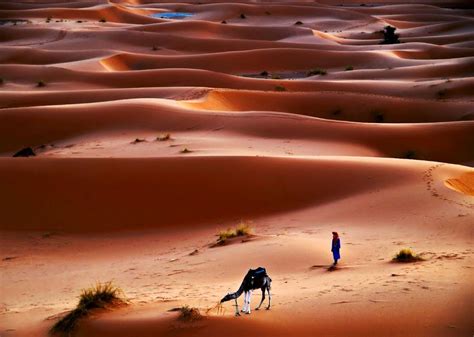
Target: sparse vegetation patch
x=163, y=138
x=406, y=255
x=102, y=295
x=389, y=36
x=243, y=229
x=410, y=154
x=189, y=314
x=378, y=116
x=25, y=152
x=317, y=71
x=441, y=93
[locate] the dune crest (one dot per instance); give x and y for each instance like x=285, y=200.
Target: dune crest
x=463, y=184
x=137, y=135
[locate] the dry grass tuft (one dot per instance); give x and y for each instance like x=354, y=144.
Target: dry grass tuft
x=189, y=314
x=163, y=138
x=243, y=229
x=317, y=71
x=406, y=255
x=102, y=295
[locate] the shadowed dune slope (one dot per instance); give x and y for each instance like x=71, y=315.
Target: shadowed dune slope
x=110, y=194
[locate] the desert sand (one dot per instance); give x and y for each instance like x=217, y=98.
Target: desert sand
x=289, y=116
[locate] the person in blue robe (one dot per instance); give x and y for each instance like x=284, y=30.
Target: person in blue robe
x=336, y=246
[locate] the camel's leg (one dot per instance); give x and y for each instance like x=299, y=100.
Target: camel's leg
x=263, y=299
x=244, y=309
x=236, y=308
x=248, y=302
x=269, y=298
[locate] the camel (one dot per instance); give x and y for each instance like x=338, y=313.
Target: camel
x=255, y=279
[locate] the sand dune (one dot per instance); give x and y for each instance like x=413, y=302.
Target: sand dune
x=142, y=189
x=449, y=142
x=151, y=135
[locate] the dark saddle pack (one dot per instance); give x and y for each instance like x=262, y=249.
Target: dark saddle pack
x=254, y=275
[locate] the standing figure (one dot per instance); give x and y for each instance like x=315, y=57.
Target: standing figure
x=336, y=246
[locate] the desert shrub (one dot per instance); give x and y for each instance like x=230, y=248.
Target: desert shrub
x=280, y=88
x=242, y=229
x=336, y=112
x=25, y=152
x=224, y=22
x=406, y=255
x=138, y=140
x=189, y=314
x=316, y=71
x=349, y=68
x=2, y=81
x=103, y=20
x=389, y=36
x=276, y=77
x=441, y=93
x=242, y=16
x=298, y=23
x=163, y=138
x=185, y=150
x=154, y=48
x=410, y=154
x=102, y=295
x=378, y=116
x=264, y=73
x=40, y=84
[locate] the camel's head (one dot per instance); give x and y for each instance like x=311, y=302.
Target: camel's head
x=226, y=298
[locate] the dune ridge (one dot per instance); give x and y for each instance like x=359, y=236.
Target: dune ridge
x=149, y=136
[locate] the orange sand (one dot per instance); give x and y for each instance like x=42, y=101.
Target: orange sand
x=380, y=149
